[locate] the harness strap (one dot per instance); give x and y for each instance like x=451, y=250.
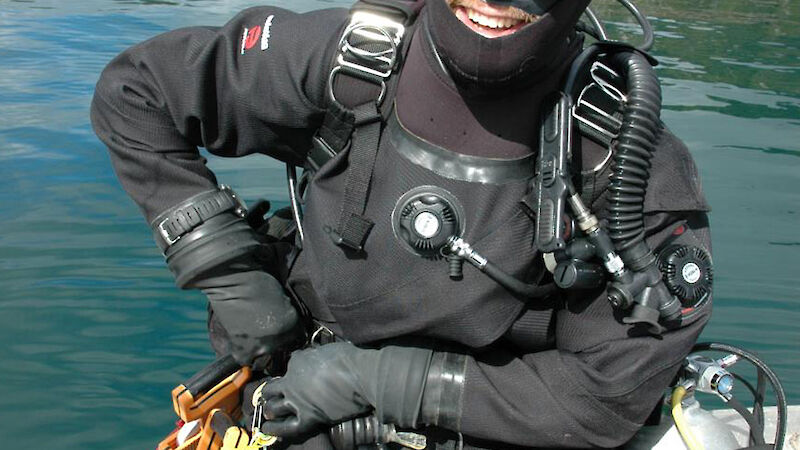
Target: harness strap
x=353, y=227
x=370, y=52
x=332, y=137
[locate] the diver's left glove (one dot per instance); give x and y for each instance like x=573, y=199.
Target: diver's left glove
x=327, y=385
x=209, y=246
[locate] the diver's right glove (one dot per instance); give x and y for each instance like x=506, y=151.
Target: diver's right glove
x=256, y=314
x=209, y=246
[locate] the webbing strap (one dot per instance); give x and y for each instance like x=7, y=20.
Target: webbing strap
x=331, y=138
x=353, y=227
x=369, y=52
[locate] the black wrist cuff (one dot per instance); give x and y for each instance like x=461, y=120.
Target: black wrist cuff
x=221, y=239
x=401, y=381
x=443, y=398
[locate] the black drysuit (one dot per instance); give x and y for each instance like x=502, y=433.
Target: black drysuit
x=562, y=372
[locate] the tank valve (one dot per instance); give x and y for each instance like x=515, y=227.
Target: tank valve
x=710, y=376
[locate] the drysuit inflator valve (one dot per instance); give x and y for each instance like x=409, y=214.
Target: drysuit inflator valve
x=425, y=218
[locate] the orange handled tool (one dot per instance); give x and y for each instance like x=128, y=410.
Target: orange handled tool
x=214, y=391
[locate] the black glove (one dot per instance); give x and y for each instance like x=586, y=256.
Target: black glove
x=209, y=246
x=329, y=384
x=255, y=312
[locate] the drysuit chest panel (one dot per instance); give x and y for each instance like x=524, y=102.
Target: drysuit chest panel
x=386, y=291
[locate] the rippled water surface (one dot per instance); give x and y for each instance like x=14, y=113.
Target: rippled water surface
x=95, y=335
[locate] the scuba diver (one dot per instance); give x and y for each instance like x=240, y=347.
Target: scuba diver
x=496, y=242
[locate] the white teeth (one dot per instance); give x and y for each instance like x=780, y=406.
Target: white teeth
x=491, y=22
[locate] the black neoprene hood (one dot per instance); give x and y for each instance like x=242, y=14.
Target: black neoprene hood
x=536, y=7
x=525, y=57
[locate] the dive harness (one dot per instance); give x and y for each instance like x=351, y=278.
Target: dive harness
x=369, y=54
x=611, y=91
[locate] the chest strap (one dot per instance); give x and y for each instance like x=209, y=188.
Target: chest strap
x=368, y=57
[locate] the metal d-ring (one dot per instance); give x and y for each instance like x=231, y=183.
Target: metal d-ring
x=336, y=70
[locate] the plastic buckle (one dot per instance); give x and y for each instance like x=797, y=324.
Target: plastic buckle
x=372, y=65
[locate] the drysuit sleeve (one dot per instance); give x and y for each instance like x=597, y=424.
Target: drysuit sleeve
x=603, y=378
x=255, y=85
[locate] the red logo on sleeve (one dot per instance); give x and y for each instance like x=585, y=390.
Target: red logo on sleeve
x=250, y=37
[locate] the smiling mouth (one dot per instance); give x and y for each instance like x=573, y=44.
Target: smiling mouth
x=489, y=20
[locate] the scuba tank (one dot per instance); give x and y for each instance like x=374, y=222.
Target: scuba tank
x=693, y=428
x=711, y=432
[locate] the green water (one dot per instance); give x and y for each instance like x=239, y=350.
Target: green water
x=94, y=334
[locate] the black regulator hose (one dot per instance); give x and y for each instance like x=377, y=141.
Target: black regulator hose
x=756, y=430
x=518, y=287
x=647, y=28
x=597, y=30
x=640, y=132
x=780, y=395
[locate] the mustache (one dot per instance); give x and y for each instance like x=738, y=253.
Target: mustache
x=510, y=11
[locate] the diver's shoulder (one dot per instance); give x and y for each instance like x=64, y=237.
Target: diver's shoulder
x=674, y=183
x=330, y=16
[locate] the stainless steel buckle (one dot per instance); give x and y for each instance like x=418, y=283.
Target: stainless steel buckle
x=601, y=75
x=165, y=234
x=322, y=335
x=371, y=66
x=240, y=208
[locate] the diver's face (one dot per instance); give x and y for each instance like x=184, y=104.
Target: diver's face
x=489, y=20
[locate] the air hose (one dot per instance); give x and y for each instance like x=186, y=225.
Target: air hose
x=640, y=286
x=680, y=421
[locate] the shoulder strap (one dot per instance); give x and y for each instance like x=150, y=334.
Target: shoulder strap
x=363, y=69
x=598, y=107
x=369, y=55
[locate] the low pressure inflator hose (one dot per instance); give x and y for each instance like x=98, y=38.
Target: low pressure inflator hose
x=680, y=421
x=458, y=250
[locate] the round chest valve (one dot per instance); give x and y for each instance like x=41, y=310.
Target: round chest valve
x=425, y=218
x=688, y=273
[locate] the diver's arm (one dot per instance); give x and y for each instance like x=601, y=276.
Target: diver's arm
x=601, y=381
x=158, y=101
x=595, y=389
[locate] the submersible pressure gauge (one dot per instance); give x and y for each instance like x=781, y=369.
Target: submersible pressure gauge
x=688, y=273
x=425, y=218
